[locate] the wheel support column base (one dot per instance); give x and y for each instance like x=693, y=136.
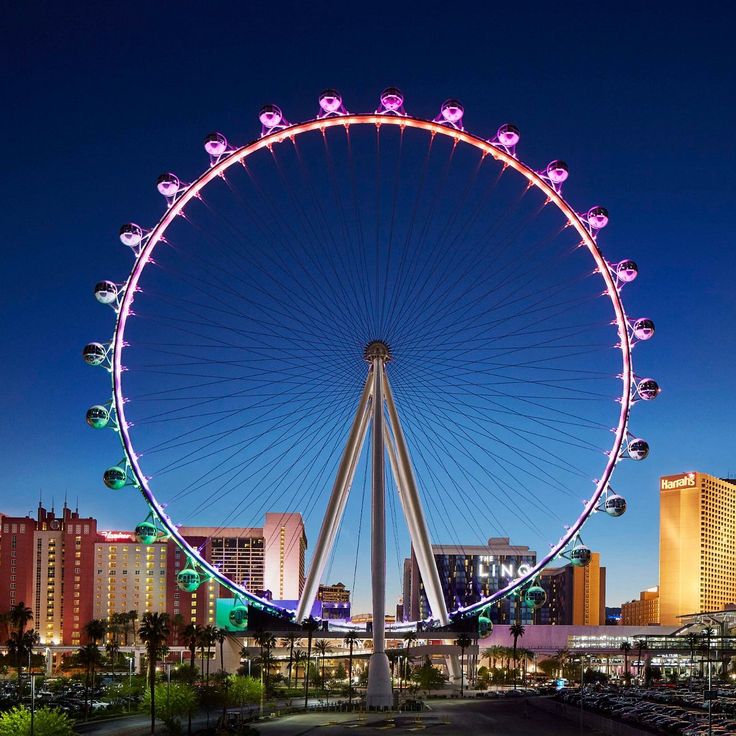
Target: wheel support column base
x=379, y=693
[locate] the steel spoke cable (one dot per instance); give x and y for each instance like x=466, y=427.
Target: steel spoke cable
x=341, y=294
x=192, y=486
x=523, y=492
x=283, y=242
x=291, y=403
x=392, y=226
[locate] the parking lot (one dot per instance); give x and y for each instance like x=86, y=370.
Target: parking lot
x=672, y=711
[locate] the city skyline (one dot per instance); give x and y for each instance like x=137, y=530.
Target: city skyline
x=629, y=150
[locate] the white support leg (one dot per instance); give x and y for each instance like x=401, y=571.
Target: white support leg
x=415, y=516
x=336, y=504
x=378, y=691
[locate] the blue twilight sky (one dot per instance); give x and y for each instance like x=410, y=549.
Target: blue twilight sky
x=98, y=99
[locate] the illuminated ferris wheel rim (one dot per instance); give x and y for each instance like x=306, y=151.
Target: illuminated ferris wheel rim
x=182, y=195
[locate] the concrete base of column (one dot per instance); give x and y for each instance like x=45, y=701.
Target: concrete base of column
x=378, y=692
x=453, y=668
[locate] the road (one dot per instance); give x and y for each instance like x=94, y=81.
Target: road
x=506, y=717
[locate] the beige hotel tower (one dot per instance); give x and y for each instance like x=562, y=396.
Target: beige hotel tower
x=697, y=545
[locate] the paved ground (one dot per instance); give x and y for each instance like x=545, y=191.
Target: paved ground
x=455, y=718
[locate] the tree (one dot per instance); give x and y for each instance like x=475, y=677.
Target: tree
x=350, y=639
x=20, y=648
x=626, y=648
x=221, y=635
x=310, y=626
x=562, y=656
x=266, y=641
x=208, y=638
x=463, y=641
x=299, y=657
x=290, y=640
x=484, y=677
x=46, y=722
x=95, y=630
x=492, y=654
x=242, y=690
x=641, y=645
x=428, y=677
x=172, y=702
x=516, y=630
x=692, y=643
x=89, y=657
x=113, y=649
x=19, y=616
x=191, y=637
x=153, y=632
x=409, y=638
x=322, y=646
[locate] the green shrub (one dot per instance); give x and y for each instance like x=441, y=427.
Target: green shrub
x=46, y=722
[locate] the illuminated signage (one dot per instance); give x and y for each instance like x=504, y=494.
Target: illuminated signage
x=488, y=567
x=117, y=536
x=680, y=481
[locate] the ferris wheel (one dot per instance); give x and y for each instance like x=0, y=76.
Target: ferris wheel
x=372, y=319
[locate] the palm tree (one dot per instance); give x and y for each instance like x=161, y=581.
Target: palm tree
x=191, y=637
x=153, y=632
x=492, y=654
x=463, y=641
x=20, y=648
x=221, y=635
x=19, y=616
x=112, y=648
x=350, y=639
x=707, y=635
x=692, y=643
x=95, y=630
x=322, y=646
x=289, y=640
x=209, y=637
x=641, y=645
x=562, y=656
x=626, y=648
x=299, y=657
x=409, y=638
x=132, y=618
x=266, y=640
x=309, y=625
x=516, y=630
x=89, y=656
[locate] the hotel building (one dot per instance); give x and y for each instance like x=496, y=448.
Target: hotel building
x=129, y=576
x=468, y=574
x=697, y=539
x=67, y=572
x=642, y=612
x=576, y=596
x=47, y=563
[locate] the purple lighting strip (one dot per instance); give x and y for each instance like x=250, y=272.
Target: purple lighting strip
x=487, y=148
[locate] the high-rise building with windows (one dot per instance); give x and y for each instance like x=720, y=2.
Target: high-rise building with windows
x=697, y=539
x=576, y=596
x=47, y=563
x=68, y=572
x=469, y=573
x=129, y=576
x=285, y=543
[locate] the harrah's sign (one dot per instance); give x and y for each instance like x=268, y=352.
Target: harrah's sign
x=678, y=481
